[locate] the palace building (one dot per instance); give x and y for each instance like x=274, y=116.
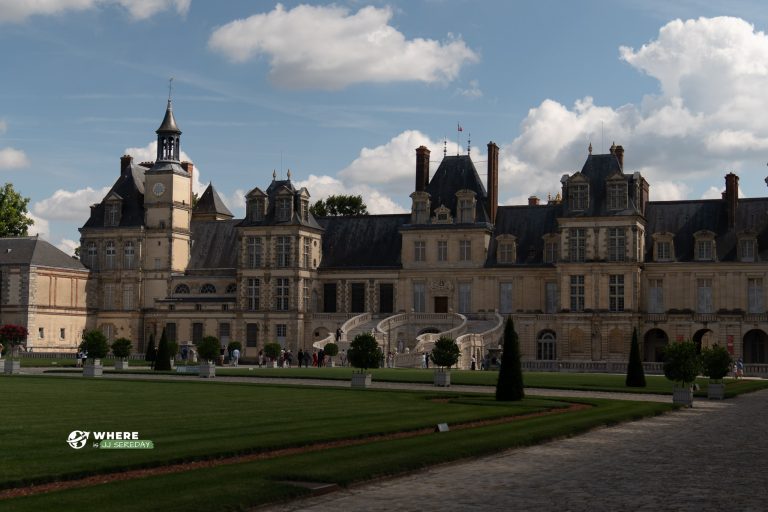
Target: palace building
x=578, y=273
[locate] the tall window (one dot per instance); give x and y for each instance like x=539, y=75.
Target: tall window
x=419, y=297
x=505, y=298
x=704, y=295
x=109, y=296
x=284, y=209
x=92, y=257
x=307, y=252
x=251, y=335
x=617, y=196
x=465, y=298
x=357, y=297
x=577, y=244
x=465, y=250
x=755, y=295
x=129, y=254
x=305, y=293
x=283, y=251
x=546, y=347
x=466, y=210
x=663, y=250
x=419, y=250
x=506, y=252
x=329, y=297
x=655, y=296
x=224, y=332
x=704, y=250
x=616, y=292
x=550, y=252
x=617, y=244
x=127, y=297
x=254, y=293
x=420, y=211
x=110, y=253
x=281, y=331
x=578, y=196
x=550, y=292
x=283, y=290
x=113, y=214
x=442, y=250
x=577, y=293
x=197, y=332
x=747, y=249
x=258, y=210
x=255, y=249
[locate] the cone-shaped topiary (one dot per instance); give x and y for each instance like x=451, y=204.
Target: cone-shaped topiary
x=364, y=352
x=445, y=353
x=121, y=348
x=163, y=363
x=635, y=372
x=510, y=384
x=150, y=355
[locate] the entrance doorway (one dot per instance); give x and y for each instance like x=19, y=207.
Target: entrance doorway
x=441, y=304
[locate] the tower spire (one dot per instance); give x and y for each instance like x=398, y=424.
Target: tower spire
x=168, y=135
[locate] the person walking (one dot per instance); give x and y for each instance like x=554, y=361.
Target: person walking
x=235, y=357
x=300, y=357
x=320, y=358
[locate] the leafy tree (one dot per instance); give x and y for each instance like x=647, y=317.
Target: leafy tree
x=635, y=372
x=11, y=336
x=339, y=205
x=121, y=348
x=272, y=350
x=163, y=363
x=150, y=355
x=681, y=362
x=716, y=362
x=331, y=349
x=509, y=387
x=94, y=344
x=364, y=352
x=208, y=348
x=14, y=220
x=446, y=352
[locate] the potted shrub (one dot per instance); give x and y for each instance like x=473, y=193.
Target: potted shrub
x=208, y=350
x=681, y=365
x=272, y=351
x=331, y=349
x=12, y=336
x=121, y=349
x=716, y=362
x=445, y=354
x=363, y=353
x=95, y=345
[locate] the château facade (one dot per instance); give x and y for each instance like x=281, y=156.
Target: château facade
x=578, y=273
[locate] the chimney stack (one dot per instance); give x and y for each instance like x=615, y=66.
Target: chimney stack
x=731, y=197
x=188, y=166
x=493, y=180
x=125, y=164
x=619, y=151
x=422, y=168
x=533, y=201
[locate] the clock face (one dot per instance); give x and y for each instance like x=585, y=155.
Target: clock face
x=158, y=189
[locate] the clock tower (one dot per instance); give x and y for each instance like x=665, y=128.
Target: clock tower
x=167, y=212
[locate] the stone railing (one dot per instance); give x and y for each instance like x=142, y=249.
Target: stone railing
x=471, y=342
x=588, y=366
x=353, y=323
x=69, y=355
x=424, y=342
x=320, y=344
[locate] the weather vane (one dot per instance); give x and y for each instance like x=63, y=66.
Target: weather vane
x=170, y=88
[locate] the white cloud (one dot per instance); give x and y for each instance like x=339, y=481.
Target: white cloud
x=68, y=246
x=15, y=11
x=148, y=153
x=13, y=158
x=40, y=227
x=66, y=205
x=473, y=92
x=327, y=47
x=323, y=186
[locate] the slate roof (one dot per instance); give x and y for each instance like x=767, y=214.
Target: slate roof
x=35, y=252
x=211, y=203
x=169, y=122
x=684, y=218
x=214, y=245
x=528, y=224
x=363, y=241
x=130, y=187
x=457, y=173
x=270, y=219
x=597, y=169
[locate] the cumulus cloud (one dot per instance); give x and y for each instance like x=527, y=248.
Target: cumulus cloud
x=15, y=11
x=327, y=47
x=41, y=227
x=323, y=186
x=13, y=158
x=67, y=205
x=472, y=92
x=68, y=246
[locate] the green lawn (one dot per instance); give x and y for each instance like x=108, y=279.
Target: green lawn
x=190, y=420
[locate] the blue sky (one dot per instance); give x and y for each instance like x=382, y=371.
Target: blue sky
x=341, y=94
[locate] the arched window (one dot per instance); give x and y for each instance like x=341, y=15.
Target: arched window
x=546, y=346
x=231, y=288
x=181, y=289
x=207, y=288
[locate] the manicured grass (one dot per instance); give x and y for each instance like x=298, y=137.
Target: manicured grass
x=239, y=486
x=199, y=419
x=67, y=362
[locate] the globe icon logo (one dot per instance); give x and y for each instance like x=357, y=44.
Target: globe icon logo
x=77, y=439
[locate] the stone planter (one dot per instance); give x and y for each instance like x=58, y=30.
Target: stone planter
x=361, y=380
x=12, y=367
x=121, y=365
x=207, y=370
x=442, y=378
x=682, y=396
x=93, y=368
x=716, y=391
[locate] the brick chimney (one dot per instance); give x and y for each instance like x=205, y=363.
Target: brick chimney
x=422, y=168
x=125, y=164
x=619, y=151
x=731, y=197
x=188, y=166
x=533, y=201
x=493, y=180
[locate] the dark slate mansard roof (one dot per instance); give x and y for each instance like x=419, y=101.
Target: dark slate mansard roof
x=130, y=187
x=597, y=169
x=362, y=241
x=270, y=219
x=457, y=173
x=528, y=224
x=211, y=203
x=214, y=245
x=32, y=251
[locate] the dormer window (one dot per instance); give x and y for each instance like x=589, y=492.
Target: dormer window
x=617, y=194
x=112, y=214
x=420, y=208
x=284, y=209
x=663, y=248
x=551, y=248
x=747, y=250
x=259, y=207
x=442, y=216
x=506, y=250
x=578, y=196
x=304, y=210
x=704, y=246
x=465, y=206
